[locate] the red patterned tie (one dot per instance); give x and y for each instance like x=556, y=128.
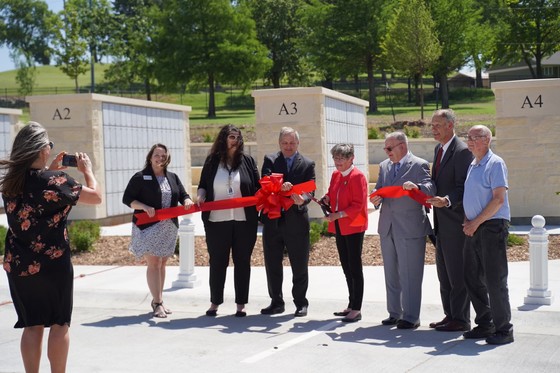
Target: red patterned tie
x=438, y=160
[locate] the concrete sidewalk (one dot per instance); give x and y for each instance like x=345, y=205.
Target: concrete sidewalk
x=113, y=331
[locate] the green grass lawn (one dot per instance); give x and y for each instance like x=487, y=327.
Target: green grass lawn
x=236, y=106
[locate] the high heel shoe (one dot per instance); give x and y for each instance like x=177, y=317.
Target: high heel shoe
x=161, y=314
x=165, y=309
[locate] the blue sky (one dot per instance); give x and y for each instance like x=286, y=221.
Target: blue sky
x=6, y=62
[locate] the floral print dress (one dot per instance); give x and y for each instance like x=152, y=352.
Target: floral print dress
x=37, y=258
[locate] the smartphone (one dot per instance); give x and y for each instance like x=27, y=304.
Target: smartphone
x=69, y=160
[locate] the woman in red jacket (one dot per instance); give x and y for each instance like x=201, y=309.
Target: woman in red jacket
x=347, y=197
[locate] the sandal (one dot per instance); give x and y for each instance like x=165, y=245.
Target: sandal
x=165, y=309
x=161, y=314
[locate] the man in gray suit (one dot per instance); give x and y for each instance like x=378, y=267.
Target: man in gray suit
x=449, y=171
x=403, y=227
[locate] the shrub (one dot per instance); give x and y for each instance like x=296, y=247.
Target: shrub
x=373, y=133
x=208, y=137
x=411, y=132
x=3, y=231
x=515, y=240
x=83, y=234
x=314, y=232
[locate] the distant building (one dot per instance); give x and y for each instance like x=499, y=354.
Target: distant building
x=520, y=70
x=467, y=79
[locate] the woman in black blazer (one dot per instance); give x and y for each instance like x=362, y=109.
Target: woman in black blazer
x=228, y=173
x=148, y=190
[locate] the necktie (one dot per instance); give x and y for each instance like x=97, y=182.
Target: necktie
x=438, y=160
x=396, y=168
x=289, y=164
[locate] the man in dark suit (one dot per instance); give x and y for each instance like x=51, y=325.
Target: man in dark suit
x=451, y=162
x=290, y=232
x=403, y=227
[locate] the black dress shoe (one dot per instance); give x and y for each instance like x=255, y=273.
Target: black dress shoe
x=240, y=314
x=453, y=326
x=390, y=321
x=342, y=313
x=212, y=313
x=272, y=310
x=301, y=311
x=480, y=331
x=356, y=318
x=500, y=338
x=445, y=320
x=403, y=324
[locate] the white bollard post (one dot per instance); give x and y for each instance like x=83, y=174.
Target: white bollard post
x=186, y=277
x=538, y=293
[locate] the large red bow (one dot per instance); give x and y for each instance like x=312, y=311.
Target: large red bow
x=271, y=200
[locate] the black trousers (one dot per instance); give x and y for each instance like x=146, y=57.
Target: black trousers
x=450, y=270
x=239, y=237
x=350, y=254
x=290, y=233
x=486, y=272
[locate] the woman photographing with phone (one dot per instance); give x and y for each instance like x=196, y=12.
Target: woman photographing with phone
x=37, y=201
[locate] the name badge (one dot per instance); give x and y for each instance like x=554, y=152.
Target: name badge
x=147, y=177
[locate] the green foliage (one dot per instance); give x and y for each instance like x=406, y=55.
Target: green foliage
x=515, y=240
x=3, y=231
x=315, y=230
x=208, y=137
x=411, y=132
x=373, y=133
x=83, y=234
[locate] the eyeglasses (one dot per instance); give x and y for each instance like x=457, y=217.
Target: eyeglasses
x=235, y=137
x=51, y=144
x=390, y=148
x=339, y=159
x=474, y=138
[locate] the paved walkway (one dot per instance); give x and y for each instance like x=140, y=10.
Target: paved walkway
x=113, y=331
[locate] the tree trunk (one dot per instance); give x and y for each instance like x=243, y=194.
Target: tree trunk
x=421, y=97
x=76, y=84
x=409, y=91
x=478, y=79
x=148, y=87
x=275, y=79
x=416, y=90
x=371, y=86
x=211, y=97
x=444, y=91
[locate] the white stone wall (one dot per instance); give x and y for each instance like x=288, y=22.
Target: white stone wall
x=322, y=117
x=528, y=134
x=117, y=133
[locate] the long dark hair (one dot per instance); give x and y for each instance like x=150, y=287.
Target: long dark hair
x=151, y=152
x=27, y=146
x=219, y=150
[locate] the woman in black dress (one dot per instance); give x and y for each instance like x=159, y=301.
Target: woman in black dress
x=37, y=201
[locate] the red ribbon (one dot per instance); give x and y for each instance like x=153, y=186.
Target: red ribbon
x=269, y=198
x=398, y=192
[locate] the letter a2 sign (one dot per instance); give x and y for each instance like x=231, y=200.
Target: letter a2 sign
x=63, y=114
x=529, y=104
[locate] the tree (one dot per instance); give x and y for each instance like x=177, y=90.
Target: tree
x=26, y=28
x=280, y=29
x=70, y=47
x=133, y=46
x=353, y=31
x=531, y=33
x=454, y=20
x=482, y=39
x=411, y=43
x=208, y=41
